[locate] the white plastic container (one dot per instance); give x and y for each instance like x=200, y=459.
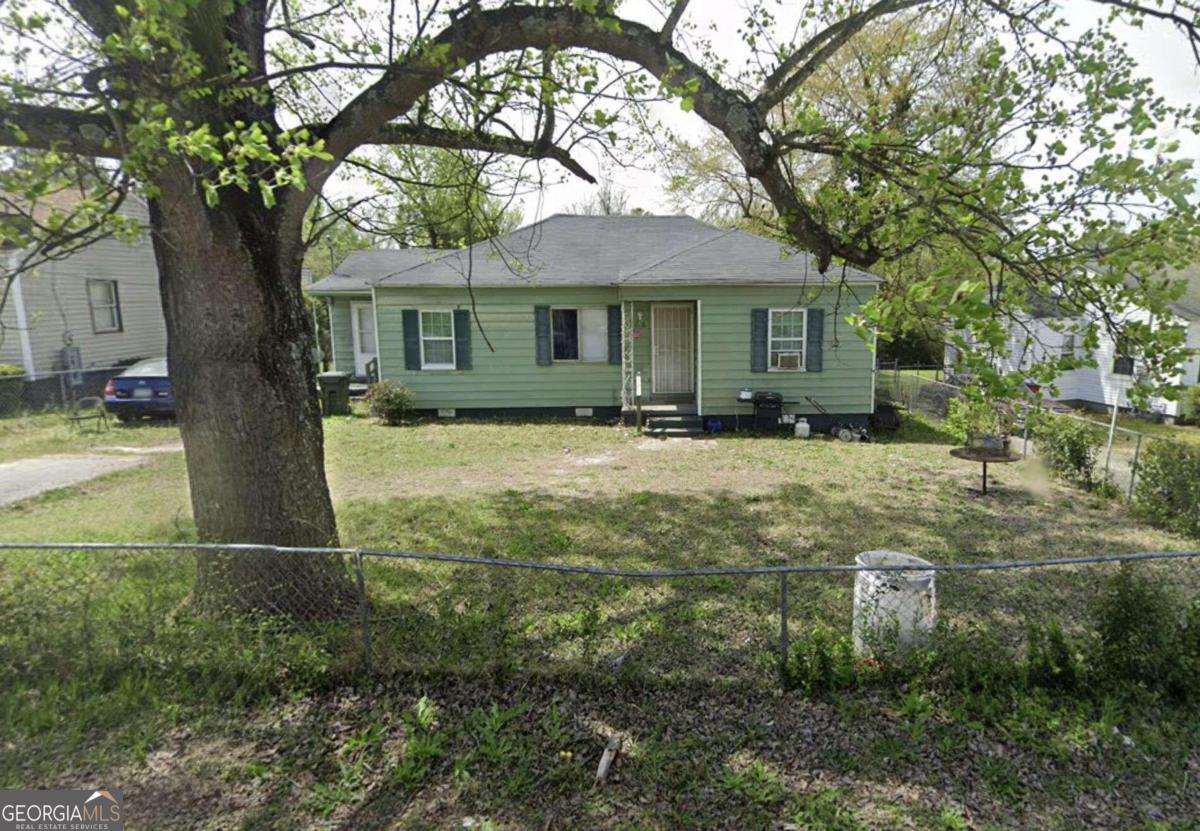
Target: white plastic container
x=893, y=610
x=803, y=431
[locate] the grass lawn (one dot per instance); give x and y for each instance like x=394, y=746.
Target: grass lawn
x=493, y=693
x=24, y=437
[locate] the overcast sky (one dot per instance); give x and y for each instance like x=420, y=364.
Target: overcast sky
x=1162, y=52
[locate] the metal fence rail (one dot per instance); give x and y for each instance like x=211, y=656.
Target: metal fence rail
x=66, y=605
x=57, y=389
x=918, y=391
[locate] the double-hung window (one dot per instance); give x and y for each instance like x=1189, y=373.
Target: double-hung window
x=785, y=339
x=437, y=339
x=579, y=334
x=1068, y=346
x=104, y=301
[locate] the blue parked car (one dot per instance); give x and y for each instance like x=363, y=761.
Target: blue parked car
x=144, y=389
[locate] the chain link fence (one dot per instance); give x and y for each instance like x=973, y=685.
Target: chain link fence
x=59, y=389
x=917, y=389
x=927, y=391
x=70, y=609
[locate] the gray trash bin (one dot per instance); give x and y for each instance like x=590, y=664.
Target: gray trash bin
x=335, y=392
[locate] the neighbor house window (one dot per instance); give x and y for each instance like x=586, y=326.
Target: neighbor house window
x=579, y=334
x=1068, y=346
x=105, y=304
x=437, y=340
x=786, y=339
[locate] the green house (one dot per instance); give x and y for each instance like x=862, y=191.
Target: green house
x=595, y=317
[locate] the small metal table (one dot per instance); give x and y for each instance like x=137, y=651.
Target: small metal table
x=984, y=455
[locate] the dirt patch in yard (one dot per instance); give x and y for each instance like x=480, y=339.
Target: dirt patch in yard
x=522, y=755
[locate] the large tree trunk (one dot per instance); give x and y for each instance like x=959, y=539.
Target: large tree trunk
x=240, y=355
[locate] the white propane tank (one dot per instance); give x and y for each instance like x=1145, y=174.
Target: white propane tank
x=802, y=429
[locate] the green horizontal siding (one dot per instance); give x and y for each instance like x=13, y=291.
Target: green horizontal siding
x=507, y=374
x=844, y=385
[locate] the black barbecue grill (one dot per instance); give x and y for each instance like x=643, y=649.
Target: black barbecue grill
x=768, y=408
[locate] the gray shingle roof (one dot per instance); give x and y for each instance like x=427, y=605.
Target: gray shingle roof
x=361, y=269
x=565, y=250
x=738, y=257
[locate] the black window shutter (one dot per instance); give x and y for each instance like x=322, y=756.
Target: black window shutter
x=541, y=331
x=816, y=336
x=412, y=339
x=614, y=334
x=462, y=338
x=758, y=340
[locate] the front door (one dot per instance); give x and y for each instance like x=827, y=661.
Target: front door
x=673, y=348
x=362, y=327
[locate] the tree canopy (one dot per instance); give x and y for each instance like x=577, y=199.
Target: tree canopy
x=1018, y=158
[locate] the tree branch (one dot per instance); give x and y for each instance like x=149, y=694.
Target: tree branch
x=668, y=29
x=806, y=60
x=427, y=136
x=46, y=128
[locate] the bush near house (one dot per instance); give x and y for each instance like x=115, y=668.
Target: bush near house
x=389, y=401
x=1070, y=449
x=1168, y=487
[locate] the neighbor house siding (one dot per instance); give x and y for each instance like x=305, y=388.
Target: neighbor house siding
x=843, y=386
x=506, y=374
x=56, y=303
x=340, y=335
x=10, y=336
x=1097, y=385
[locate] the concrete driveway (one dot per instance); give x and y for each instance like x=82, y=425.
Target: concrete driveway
x=29, y=477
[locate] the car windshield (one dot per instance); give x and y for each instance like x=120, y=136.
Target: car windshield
x=156, y=367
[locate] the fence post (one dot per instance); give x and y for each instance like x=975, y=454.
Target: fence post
x=783, y=624
x=1133, y=471
x=1025, y=432
x=363, y=611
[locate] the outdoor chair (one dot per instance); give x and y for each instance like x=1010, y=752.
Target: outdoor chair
x=89, y=408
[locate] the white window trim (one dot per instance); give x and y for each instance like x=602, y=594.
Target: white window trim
x=578, y=335
x=114, y=307
x=421, y=331
x=803, y=340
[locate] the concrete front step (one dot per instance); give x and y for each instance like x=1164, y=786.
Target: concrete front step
x=674, y=432
x=675, y=421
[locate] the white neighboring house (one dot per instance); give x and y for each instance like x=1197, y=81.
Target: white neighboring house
x=102, y=299
x=1097, y=387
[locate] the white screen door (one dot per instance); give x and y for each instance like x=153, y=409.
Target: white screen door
x=672, y=340
x=362, y=326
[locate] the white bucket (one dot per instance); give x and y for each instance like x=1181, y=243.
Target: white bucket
x=893, y=609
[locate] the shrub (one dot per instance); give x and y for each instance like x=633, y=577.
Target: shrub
x=1052, y=661
x=389, y=401
x=966, y=419
x=1189, y=405
x=1168, y=487
x=10, y=369
x=820, y=662
x=1070, y=448
x=1139, y=625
